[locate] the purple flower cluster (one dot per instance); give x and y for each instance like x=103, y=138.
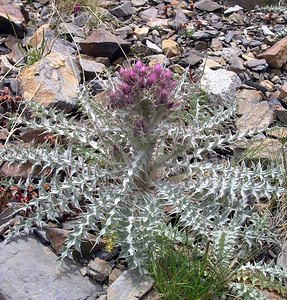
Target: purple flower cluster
x=154, y=82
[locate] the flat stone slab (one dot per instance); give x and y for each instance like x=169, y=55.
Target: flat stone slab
x=129, y=286
x=29, y=270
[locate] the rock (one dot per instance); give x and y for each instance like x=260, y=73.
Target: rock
x=156, y=22
x=268, y=85
x=153, y=47
x=191, y=58
x=216, y=44
x=45, y=33
x=156, y=59
x=280, y=112
x=201, y=45
x=220, y=85
x=180, y=20
x=103, y=43
x=137, y=3
x=210, y=64
x=10, y=41
x=261, y=117
x=129, y=285
x=90, y=66
x=266, y=30
x=152, y=295
x=257, y=64
x=247, y=100
x=233, y=9
x=266, y=148
x=71, y=30
x=141, y=32
x=170, y=48
x=236, y=64
x=207, y=5
x=229, y=36
x=148, y=14
x=28, y=270
x=6, y=67
x=227, y=53
x=123, y=32
x=57, y=237
x=124, y=10
x=278, y=132
x=33, y=135
x=276, y=56
x=84, y=271
x=283, y=92
x=177, y=69
x=114, y=275
x=50, y=81
x=99, y=269
x=204, y=34
x=6, y=214
x=12, y=20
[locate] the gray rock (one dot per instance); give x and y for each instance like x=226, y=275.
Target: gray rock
x=204, y=35
x=227, y=53
x=124, y=10
x=6, y=67
x=233, y=9
x=28, y=270
x=260, y=117
x=257, y=64
x=236, y=64
x=153, y=47
x=82, y=19
x=266, y=30
x=128, y=286
x=229, y=36
x=123, y=32
x=13, y=19
x=191, y=58
x=71, y=29
x=103, y=43
x=207, y=5
x=216, y=44
x=148, y=14
x=180, y=19
x=220, y=85
x=90, y=67
x=137, y=3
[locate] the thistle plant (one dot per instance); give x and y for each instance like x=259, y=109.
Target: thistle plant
x=138, y=159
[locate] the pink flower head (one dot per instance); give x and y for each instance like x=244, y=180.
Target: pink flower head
x=151, y=80
x=76, y=8
x=166, y=74
x=138, y=65
x=126, y=89
x=140, y=80
x=157, y=68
